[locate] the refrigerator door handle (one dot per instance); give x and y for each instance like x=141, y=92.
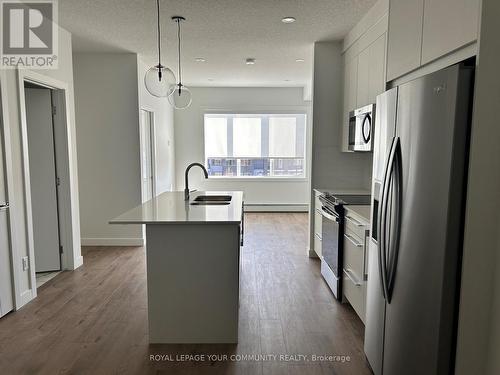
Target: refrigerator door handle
x=397, y=168
x=382, y=248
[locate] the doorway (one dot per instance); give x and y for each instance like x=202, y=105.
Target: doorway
x=44, y=180
x=147, y=140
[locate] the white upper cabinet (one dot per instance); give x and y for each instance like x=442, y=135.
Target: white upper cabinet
x=363, y=86
x=376, y=74
x=350, y=96
x=421, y=31
x=448, y=25
x=405, y=36
x=364, y=63
x=371, y=72
x=352, y=83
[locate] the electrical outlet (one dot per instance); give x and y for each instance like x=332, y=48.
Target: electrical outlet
x=26, y=264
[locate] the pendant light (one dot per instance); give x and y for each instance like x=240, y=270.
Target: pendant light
x=180, y=97
x=159, y=80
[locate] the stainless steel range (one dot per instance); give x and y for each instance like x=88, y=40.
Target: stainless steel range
x=332, y=209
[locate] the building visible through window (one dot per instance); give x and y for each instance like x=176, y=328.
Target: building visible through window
x=255, y=145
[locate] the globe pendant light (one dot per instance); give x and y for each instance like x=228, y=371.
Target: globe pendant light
x=159, y=80
x=180, y=97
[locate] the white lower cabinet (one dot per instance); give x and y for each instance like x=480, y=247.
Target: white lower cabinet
x=356, y=295
x=355, y=263
x=318, y=221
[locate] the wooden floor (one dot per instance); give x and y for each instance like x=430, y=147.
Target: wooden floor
x=94, y=320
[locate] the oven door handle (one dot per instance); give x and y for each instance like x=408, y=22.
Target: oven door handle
x=329, y=216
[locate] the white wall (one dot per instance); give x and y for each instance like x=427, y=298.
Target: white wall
x=332, y=168
x=164, y=131
x=189, y=139
x=25, y=288
x=479, y=317
x=107, y=118
x=493, y=363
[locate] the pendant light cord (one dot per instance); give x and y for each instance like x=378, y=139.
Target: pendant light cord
x=179, y=52
x=159, y=31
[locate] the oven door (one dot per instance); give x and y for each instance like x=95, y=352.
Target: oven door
x=331, y=263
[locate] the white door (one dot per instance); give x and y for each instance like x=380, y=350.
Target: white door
x=43, y=179
x=6, y=298
x=147, y=155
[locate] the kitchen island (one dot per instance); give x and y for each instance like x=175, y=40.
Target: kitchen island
x=193, y=264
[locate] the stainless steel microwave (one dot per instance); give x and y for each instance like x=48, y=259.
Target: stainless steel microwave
x=361, y=123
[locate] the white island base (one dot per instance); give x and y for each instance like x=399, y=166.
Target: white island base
x=193, y=283
x=193, y=266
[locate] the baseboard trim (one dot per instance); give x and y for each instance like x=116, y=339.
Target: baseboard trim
x=78, y=262
x=276, y=207
x=312, y=254
x=24, y=298
x=112, y=242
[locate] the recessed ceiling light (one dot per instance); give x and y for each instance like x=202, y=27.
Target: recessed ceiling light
x=288, y=19
x=286, y=80
x=200, y=59
x=299, y=60
x=250, y=61
x=210, y=79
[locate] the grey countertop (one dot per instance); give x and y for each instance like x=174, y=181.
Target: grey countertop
x=171, y=208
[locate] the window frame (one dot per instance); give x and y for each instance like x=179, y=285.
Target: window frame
x=296, y=110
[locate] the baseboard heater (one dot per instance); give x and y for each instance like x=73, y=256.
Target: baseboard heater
x=276, y=207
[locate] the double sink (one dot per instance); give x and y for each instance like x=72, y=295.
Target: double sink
x=215, y=200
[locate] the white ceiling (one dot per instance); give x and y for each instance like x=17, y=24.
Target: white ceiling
x=224, y=32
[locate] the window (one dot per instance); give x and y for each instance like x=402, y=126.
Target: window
x=255, y=145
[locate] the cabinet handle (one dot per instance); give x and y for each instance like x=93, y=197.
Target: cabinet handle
x=351, y=239
x=318, y=236
x=350, y=275
x=354, y=221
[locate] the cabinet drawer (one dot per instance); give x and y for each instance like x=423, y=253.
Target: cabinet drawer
x=354, y=227
x=317, y=245
x=355, y=294
x=318, y=221
x=354, y=250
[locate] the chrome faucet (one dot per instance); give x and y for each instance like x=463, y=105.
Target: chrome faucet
x=186, y=180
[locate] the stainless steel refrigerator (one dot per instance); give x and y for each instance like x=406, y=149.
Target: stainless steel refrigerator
x=419, y=184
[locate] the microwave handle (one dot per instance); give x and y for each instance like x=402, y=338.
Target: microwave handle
x=366, y=137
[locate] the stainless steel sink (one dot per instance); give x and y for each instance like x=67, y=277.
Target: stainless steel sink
x=213, y=198
x=209, y=203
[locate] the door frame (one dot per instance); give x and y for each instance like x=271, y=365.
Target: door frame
x=9, y=178
x=152, y=116
x=67, y=210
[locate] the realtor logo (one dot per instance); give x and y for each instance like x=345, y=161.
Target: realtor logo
x=29, y=34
